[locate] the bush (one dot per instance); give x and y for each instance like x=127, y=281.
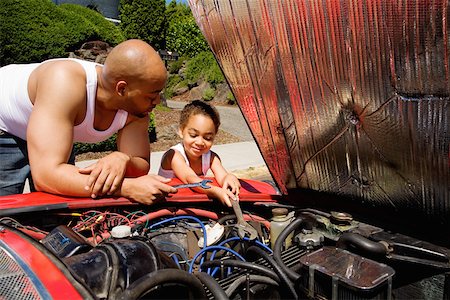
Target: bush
x=175, y=66
x=36, y=30
x=172, y=82
x=204, y=66
x=106, y=30
x=208, y=94
x=230, y=98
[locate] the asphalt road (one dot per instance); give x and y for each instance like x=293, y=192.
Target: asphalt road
x=231, y=119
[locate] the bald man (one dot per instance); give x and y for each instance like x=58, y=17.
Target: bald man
x=45, y=107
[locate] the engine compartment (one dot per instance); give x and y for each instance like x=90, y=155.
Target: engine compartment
x=141, y=252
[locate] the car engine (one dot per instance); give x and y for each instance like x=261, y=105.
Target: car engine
x=197, y=253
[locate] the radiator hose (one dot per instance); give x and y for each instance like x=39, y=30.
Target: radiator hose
x=349, y=240
x=279, y=246
x=149, y=281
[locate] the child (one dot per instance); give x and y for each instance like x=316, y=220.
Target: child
x=199, y=123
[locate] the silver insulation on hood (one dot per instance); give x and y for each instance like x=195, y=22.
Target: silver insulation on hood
x=347, y=97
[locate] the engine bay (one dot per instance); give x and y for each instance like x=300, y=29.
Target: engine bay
x=195, y=251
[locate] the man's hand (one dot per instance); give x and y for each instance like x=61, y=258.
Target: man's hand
x=107, y=174
x=147, y=189
x=232, y=183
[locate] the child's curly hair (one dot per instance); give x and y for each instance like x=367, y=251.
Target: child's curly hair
x=197, y=107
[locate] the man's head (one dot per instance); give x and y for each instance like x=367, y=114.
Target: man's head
x=135, y=74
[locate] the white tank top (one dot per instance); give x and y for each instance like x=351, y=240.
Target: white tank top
x=16, y=106
x=206, y=162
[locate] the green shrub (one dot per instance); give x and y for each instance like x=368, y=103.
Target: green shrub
x=208, y=94
x=36, y=30
x=175, y=66
x=172, y=82
x=204, y=66
x=230, y=98
x=106, y=30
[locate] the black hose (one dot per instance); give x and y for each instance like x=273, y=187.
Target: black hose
x=243, y=265
x=158, y=277
x=212, y=285
x=284, y=280
x=279, y=245
x=255, y=278
x=226, y=218
x=350, y=240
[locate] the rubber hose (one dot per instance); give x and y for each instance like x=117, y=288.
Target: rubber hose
x=212, y=285
x=279, y=244
x=349, y=239
x=158, y=277
x=243, y=265
x=284, y=280
x=255, y=278
x=225, y=218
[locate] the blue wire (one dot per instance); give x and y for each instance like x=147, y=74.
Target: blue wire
x=191, y=266
x=181, y=218
x=235, y=239
x=175, y=259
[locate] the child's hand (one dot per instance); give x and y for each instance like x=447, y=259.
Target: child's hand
x=232, y=184
x=224, y=195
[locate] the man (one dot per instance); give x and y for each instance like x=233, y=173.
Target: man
x=55, y=103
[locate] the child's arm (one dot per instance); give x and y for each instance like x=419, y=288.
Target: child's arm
x=187, y=175
x=225, y=179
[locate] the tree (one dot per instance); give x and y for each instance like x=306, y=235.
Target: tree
x=145, y=20
x=185, y=37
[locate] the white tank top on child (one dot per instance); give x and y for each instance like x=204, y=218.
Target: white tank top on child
x=16, y=106
x=206, y=162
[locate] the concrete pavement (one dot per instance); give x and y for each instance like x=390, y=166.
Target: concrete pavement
x=235, y=157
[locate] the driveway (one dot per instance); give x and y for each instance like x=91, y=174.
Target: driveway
x=231, y=120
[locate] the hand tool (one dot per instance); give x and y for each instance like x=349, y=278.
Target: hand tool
x=202, y=184
x=242, y=226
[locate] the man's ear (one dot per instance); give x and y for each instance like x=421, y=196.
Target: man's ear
x=121, y=87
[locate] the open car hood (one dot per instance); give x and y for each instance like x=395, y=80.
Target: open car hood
x=347, y=100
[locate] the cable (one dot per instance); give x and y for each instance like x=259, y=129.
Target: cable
x=283, y=277
x=242, y=265
x=258, y=278
x=209, y=248
x=246, y=239
x=234, y=239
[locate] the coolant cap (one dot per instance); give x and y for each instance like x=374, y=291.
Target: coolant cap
x=121, y=231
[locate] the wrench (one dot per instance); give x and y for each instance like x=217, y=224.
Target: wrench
x=242, y=226
x=202, y=184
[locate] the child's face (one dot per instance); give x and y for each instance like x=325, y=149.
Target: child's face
x=198, y=135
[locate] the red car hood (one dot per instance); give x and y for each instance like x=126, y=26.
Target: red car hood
x=347, y=99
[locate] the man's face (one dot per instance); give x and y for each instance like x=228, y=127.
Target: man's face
x=142, y=98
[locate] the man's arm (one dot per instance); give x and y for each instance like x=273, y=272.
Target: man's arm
x=57, y=102
x=57, y=99
x=132, y=160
